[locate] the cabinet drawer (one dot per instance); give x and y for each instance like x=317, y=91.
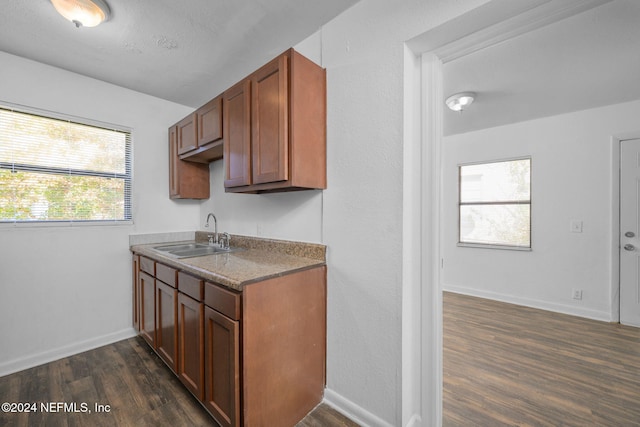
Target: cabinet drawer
x=167, y=274
x=191, y=286
x=222, y=300
x=148, y=265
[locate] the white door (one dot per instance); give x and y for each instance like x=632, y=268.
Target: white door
x=629, y=232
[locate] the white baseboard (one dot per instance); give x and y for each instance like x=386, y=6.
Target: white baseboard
x=23, y=363
x=352, y=410
x=543, y=305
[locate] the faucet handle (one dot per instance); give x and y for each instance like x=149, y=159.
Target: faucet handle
x=225, y=240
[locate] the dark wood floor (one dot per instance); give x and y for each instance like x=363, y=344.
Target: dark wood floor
x=506, y=365
x=139, y=389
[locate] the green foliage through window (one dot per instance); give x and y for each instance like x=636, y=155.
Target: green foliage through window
x=60, y=170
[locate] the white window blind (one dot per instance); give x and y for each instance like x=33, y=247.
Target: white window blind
x=495, y=203
x=62, y=170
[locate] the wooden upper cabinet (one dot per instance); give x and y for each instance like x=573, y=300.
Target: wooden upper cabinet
x=188, y=133
x=186, y=180
x=208, y=136
x=287, y=126
x=269, y=122
x=237, y=131
x=210, y=122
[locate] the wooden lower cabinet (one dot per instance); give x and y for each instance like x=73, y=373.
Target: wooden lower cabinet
x=222, y=367
x=252, y=358
x=147, y=288
x=191, y=342
x=136, y=292
x=166, y=330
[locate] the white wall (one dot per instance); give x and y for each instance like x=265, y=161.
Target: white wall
x=572, y=179
x=67, y=289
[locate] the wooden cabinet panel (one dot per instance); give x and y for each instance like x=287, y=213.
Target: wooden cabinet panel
x=187, y=130
x=192, y=286
x=269, y=122
x=187, y=180
x=191, y=344
x=148, y=265
x=210, y=122
x=166, y=274
x=222, y=368
x=223, y=300
x=237, y=132
x=166, y=331
x=147, y=289
x=135, y=297
x=283, y=347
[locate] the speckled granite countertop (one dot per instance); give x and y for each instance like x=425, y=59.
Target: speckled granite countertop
x=262, y=259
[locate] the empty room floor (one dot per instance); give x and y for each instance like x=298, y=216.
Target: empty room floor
x=508, y=365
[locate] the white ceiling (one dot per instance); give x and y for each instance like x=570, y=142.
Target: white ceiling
x=183, y=51
x=190, y=51
x=585, y=61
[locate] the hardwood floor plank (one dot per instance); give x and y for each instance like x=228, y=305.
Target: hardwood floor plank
x=129, y=377
x=511, y=365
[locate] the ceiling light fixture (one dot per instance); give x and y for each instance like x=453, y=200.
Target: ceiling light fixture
x=458, y=101
x=83, y=13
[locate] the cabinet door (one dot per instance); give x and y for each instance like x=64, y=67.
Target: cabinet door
x=210, y=121
x=190, y=344
x=147, y=289
x=222, y=368
x=237, y=135
x=173, y=162
x=187, y=134
x=135, y=297
x=166, y=331
x=269, y=122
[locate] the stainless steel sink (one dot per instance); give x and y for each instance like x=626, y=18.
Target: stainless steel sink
x=188, y=250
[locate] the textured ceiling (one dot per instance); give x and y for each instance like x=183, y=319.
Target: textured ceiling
x=585, y=61
x=182, y=51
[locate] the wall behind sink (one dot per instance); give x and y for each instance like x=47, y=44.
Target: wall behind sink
x=67, y=289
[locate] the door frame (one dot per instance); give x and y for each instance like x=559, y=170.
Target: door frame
x=424, y=55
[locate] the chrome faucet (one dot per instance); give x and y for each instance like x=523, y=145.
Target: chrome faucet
x=213, y=239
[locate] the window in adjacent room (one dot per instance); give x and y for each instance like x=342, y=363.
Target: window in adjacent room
x=495, y=204
x=59, y=170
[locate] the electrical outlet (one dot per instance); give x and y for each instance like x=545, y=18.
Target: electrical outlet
x=576, y=226
x=576, y=293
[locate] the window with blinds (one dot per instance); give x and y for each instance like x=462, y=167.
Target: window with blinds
x=54, y=170
x=495, y=204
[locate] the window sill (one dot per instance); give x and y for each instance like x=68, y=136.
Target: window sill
x=63, y=224
x=499, y=247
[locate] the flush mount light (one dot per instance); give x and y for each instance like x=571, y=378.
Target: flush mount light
x=458, y=101
x=83, y=13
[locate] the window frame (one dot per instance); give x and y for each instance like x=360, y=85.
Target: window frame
x=460, y=243
x=128, y=176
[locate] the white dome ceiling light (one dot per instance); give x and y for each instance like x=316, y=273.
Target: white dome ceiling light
x=458, y=101
x=83, y=13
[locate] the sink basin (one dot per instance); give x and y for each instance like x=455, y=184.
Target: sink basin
x=188, y=250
